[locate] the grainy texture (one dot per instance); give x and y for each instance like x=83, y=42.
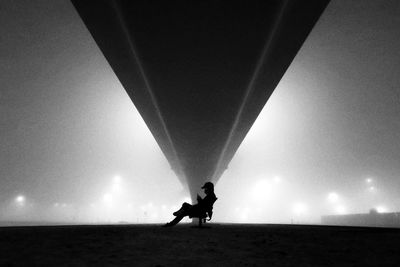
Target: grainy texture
x=220, y=245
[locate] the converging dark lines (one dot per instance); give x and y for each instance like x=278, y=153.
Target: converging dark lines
x=145, y=79
x=249, y=89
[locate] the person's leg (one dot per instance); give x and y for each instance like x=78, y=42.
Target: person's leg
x=183, y=210
x=176, y=220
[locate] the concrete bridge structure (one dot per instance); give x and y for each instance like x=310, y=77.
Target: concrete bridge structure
x=199, y=72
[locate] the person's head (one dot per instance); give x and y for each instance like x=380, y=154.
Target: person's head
x=208, y=188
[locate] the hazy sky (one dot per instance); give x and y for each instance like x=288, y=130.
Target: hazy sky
x=68, y=129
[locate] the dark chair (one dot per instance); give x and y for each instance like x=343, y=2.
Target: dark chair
x=204, y=215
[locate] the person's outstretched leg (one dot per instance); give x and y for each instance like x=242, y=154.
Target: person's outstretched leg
x=182, y=212
x=175, y=221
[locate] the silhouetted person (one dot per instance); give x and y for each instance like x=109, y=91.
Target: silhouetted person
x=202, y=209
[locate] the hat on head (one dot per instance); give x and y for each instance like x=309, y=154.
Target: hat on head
x=208, y=185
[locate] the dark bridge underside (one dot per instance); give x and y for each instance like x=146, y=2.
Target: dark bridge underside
x=199, y=72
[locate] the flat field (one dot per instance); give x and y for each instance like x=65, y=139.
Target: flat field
x=219, y=245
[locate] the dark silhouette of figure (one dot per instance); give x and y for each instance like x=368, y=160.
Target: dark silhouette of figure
x=201, y=210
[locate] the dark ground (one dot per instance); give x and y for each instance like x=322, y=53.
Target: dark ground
x=220, y=245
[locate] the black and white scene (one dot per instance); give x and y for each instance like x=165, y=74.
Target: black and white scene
x=199, y=133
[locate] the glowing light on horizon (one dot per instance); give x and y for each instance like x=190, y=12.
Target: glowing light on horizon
x=368, y=180
x=371, y=189
x=300, y=208
x=381, y=209
x=333, y=197
x=262, y=191
x=20, y=200
x=340, y=209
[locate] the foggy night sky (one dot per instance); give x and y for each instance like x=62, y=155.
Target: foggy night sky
x=67, y=127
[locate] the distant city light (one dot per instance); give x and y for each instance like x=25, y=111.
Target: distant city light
x=299, y=208
x=368, y=180
x=381, y=209
x=333, y=197
x=371, y=189
x=340, y=209
x=262, y=191
x=20, y=200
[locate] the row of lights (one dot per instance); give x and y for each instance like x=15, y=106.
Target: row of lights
x=298, y=208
